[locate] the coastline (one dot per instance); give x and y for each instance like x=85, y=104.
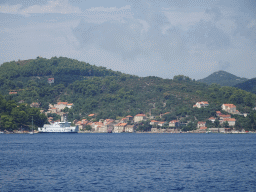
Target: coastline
x=138, y=132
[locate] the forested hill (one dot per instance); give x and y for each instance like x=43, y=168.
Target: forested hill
x=249, y=85
x=64, y=71
x=111, y=94
x=222, y=78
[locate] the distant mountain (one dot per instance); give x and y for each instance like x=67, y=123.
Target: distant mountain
x=222, y=78
x=249, y=85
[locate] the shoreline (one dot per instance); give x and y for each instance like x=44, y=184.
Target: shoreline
x=89, y=132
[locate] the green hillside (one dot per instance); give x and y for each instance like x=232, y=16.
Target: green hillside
x=249, y=85
x=222, y=78
x=111, y=94
x=65, y=71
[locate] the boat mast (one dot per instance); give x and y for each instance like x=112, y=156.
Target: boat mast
x=32, y=125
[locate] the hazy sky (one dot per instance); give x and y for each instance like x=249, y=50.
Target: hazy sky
x=142, y=37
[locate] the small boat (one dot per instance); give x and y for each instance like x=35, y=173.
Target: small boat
x=109, y=131
x=1, y=132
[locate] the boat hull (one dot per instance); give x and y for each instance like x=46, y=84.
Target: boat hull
x=58, y=128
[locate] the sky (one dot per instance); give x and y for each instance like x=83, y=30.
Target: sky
x=160, y=38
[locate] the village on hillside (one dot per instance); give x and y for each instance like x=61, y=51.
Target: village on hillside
x=148, y=123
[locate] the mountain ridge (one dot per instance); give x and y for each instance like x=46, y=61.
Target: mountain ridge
x=249, y=85
x=222, y=78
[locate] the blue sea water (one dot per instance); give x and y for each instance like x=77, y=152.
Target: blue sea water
x=128, y=162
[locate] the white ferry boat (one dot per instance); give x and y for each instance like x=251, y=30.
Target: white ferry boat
x=58, y=127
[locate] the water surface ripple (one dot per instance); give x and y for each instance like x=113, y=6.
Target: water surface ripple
x=128, y=162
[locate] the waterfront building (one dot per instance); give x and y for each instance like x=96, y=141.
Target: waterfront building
x=139, y=117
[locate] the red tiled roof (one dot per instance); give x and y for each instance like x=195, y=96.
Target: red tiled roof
x=203, y=102
x=98, y=123
x=225, y=116
x=90, y=115
x=11, y=93
x=201, y=122
x=229, y=105
x=229, y=119
x=174, y=121
x=203, y=128
x=121, y=124
x=140, y=115
x=64, y=103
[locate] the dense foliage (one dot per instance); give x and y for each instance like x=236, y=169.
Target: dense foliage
x=16, y=117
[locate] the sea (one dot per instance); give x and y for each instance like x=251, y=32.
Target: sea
x=127, y=162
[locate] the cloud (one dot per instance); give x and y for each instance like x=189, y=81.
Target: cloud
x=102, y=14
x=14, y=9
x=215, y=12
x=132, y=38
x=224, y=65
x=143, y=37
x=186, y=19
x=57, y=6
x=109, y=9
x=163, y=36
x=206, y=33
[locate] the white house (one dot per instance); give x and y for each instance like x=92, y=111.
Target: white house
x=119, y=128
x=231, y=121
x=129, y=129
x=174, y=123
x=201, y=104
x=230, y=108
x=212, y=119
x=201, y=124
x=153, y=122
x=139, y=117
x=161, y=124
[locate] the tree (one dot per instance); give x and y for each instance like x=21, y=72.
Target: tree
x=209, y=124
x=66, y=109
x=238, y=125
x=88, y=127
x=216, y=123
x=189, y=127
x=144, y=126
x=225, y=124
